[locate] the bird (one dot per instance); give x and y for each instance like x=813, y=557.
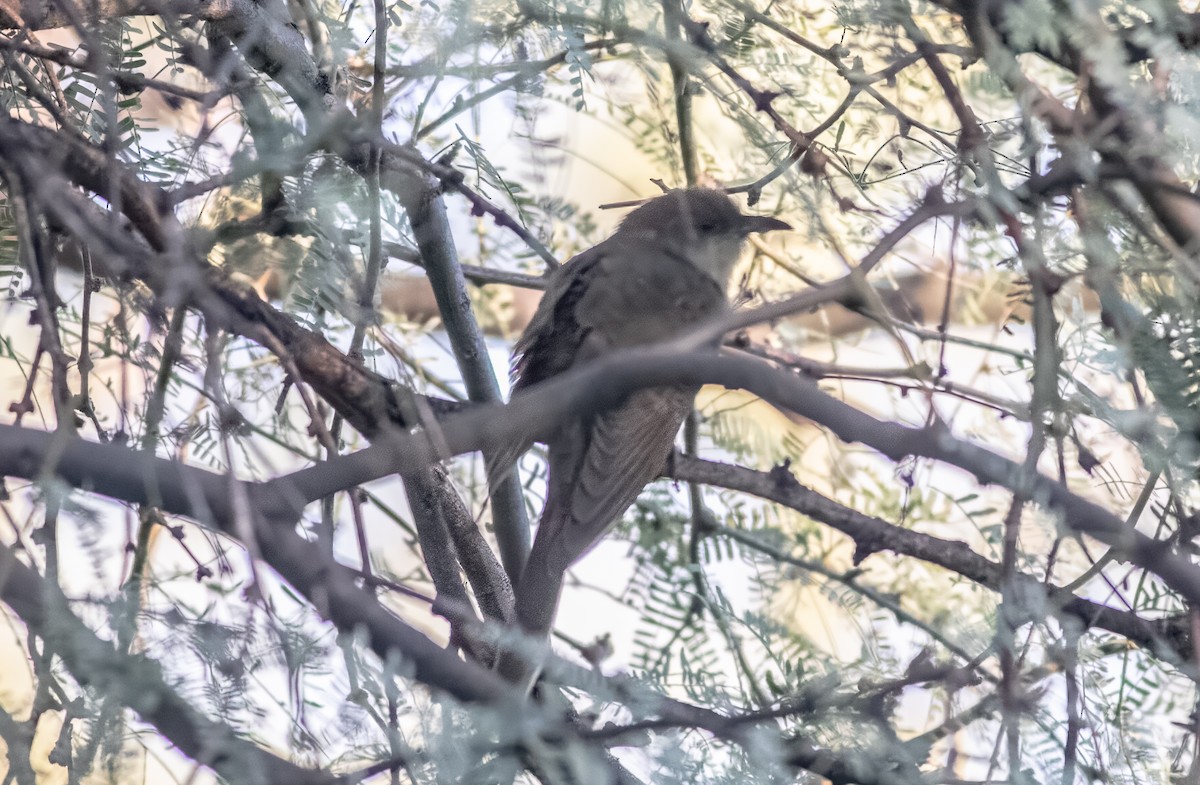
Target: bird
x=665, y=269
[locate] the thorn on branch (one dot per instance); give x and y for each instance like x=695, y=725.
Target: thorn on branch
x=853, y=300
x=698, y=33
x=763, y=99
x=1086, y=458
x=598, y=650
x=1048, y=281
x=446, y=159
x=781, y=475
x=283, y=392
x=230, y=420
x=863, y=549
x=813, y=161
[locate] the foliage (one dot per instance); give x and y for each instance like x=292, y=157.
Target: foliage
x=211, y=244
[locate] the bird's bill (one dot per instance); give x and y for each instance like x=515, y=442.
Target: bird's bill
x=762, y=223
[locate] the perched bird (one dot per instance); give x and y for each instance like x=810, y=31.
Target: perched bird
x=666, y=268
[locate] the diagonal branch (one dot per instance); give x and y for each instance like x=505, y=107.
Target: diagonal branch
x=136, y=477
x=871, y=535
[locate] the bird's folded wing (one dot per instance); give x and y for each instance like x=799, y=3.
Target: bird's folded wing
x=551, y=341
x=627, y=447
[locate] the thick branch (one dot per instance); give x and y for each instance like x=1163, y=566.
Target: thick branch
x=431, y=229
x=131, y=476
x=871, y=535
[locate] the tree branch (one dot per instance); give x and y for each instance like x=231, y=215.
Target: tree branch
x=137, y=682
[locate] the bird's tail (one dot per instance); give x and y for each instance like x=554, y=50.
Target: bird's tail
x=537, y=595
x=538, y=591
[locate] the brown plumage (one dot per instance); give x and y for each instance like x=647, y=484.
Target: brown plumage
x=665, y=269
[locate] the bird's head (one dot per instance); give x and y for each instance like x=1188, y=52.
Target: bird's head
x=703, y=225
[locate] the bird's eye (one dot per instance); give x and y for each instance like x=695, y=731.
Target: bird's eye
x=708, y=227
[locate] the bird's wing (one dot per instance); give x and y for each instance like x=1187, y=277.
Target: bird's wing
x=626, y=448
x=622, y=450
x=549, y=345
x=551, y=341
